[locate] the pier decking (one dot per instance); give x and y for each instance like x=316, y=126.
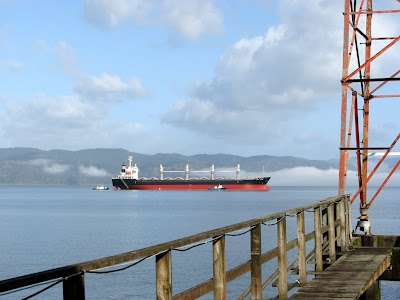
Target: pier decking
x=349, y=277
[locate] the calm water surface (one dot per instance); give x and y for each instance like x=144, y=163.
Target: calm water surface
x=48, y=227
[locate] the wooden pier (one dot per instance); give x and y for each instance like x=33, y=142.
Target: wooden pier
x=345, y=267
x=349, y=277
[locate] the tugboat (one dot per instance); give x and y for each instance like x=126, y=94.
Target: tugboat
x=128, y=179
x=217, y=188
x=100, y=188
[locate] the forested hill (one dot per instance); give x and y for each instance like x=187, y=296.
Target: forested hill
x=97, y=166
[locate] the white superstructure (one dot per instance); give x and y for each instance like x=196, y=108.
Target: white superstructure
x=129, y=172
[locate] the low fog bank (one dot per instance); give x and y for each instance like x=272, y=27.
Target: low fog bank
x=310, y=176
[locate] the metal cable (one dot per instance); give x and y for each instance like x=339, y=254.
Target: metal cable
x=55, y=282
x=199, y=244
x=121, y=269
x=244, y=232
x=272, y=224
x=42, y=290
x=27, y=287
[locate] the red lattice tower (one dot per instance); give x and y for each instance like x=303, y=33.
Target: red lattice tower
x=360, y=86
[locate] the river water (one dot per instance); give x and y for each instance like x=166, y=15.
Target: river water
x=44, y=227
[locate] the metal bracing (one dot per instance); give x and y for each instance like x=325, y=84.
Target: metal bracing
x=360, y=86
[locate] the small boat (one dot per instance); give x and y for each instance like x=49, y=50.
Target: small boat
x=217, y=188
x=100, y=188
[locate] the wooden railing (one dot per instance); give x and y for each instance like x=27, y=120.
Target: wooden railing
x=331, y=234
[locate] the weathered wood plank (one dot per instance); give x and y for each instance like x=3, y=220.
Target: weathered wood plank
x=349, y=277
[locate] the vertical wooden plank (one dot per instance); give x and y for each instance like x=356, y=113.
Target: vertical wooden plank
x=331, y=231
x=349, y=227
x=282, y=260
x=301, y=248
x=219, y=265
x=74, y=288
x=324, y=220
x=255, y=248
x=164, y=275
x=318, y=240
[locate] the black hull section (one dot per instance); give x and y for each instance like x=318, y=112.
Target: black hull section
x=193, y=184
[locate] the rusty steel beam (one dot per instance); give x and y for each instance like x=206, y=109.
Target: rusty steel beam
x=364, y=148
x=374, y=12
x=383, y=38
x=373, y=79
x=386, y=96
x=347, y=153
x=367, y=75
x=360, y=179
x=384, y=183
x=355, y=24
x=376, y=168
x=343, y=121
x=368, y=61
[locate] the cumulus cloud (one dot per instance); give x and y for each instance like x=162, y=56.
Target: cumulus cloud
x=93, y=171
x=49, y=166
x=73, y=121
x=268, y=79
x=69, y=122
x=44, y=115
x=190, y=19
x=104, y=88
x=110, y=88
x=193, y=18
x=106, y=14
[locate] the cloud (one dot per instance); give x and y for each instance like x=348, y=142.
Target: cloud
x=110, y=88
x=49, y=166
x=311, y=176
x=73, y=121
x=69, y=122
x=190, y=19
x=263, y=83
x=12, y=65
x=66, y=57
x=108, y=14
x=103, y=88
x=93, y=171
x=43, y=115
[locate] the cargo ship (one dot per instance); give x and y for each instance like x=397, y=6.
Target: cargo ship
x=128, y=179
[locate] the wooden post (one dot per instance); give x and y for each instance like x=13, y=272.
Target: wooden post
x=255, y=248
x=219, y=263
x=348, y=220
x=164, y=275
x=318, y=240
x=301, y=248
x=331, y=231
x=324, y=221
x=282, y=260
x=74, y=288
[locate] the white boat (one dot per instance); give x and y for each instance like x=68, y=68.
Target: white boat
x=217, y=188
x=101, y=188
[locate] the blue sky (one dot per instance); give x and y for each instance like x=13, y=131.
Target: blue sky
x=195, y=76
